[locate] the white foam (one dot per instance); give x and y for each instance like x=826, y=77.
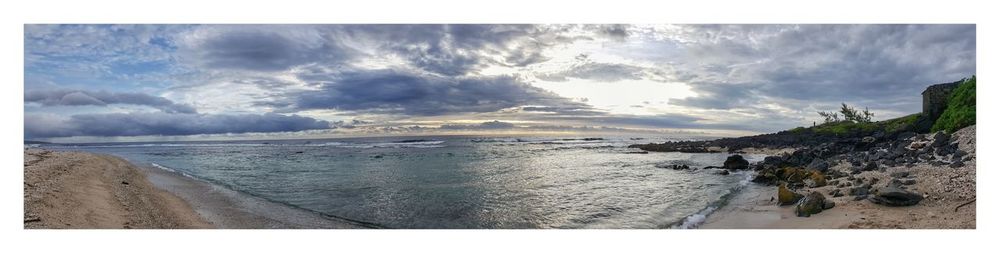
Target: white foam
x=163, y=167
x=174, y=171
x=696, y=219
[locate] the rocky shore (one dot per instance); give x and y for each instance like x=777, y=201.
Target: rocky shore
x=911, y=181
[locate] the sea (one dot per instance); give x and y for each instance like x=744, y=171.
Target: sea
x=458, y=182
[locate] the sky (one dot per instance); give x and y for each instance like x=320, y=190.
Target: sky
x=196, y=82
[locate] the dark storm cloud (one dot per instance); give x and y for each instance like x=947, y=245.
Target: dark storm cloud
x=452, y=50
x=394, y=92
x=459, y=49
x=263, y=47
x=103, y=98
x=165, y=124
x=826, y=63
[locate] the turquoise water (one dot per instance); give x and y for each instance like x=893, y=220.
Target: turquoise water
x=456, y=182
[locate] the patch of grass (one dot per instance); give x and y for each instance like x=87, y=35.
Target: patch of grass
x=961, y=110
x=849, y=128
x=843, y=128
x=899, y=124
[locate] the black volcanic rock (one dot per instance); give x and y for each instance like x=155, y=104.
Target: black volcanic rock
x=736, y=162
x=893, y=195
x=819, y=165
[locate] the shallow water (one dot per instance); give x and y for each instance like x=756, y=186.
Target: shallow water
x=456, y=182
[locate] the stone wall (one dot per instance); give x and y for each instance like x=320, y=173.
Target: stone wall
x=936, y=98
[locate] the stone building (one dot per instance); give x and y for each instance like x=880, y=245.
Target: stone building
x=936, y=98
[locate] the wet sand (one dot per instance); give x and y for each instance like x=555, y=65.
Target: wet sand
x=85, y=190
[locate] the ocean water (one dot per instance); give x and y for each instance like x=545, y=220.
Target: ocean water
x=457, y=181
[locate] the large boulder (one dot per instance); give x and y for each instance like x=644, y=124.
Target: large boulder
x=736, y=162
x=786, y=196
x=766, y=176
x=794, y=175
x=773, y=161
x=893, y=195
x=816, y=179
x=811, y=204
x=818, y=164
x=940, y=139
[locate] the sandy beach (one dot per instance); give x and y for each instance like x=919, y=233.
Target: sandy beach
x=85, y=191
x=82, y=190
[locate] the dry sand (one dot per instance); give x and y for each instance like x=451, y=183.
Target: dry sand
x=944, y=189
x=82, y=190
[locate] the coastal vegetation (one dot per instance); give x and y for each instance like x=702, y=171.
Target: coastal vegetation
x=848, y=127
x=849, y=113
x=961, y=110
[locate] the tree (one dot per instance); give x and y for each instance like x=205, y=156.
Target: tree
x=829, y=117
x=849, y=113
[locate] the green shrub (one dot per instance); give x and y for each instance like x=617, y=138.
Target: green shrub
x=845, y=128
x=797, y=130
x=900, y=124
x=961, y=110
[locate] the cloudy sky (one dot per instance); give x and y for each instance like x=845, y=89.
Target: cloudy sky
x=176, y=82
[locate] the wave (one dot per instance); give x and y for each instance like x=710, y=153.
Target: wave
x=540, y=141
x=699, y=218
x=175, y=171
x=499, y=140
x=399, y=144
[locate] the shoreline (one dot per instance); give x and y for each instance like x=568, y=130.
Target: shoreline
x=231, y=209
x=756, y=208
x=79, y=190
x=68, y=189
x=949, y=194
